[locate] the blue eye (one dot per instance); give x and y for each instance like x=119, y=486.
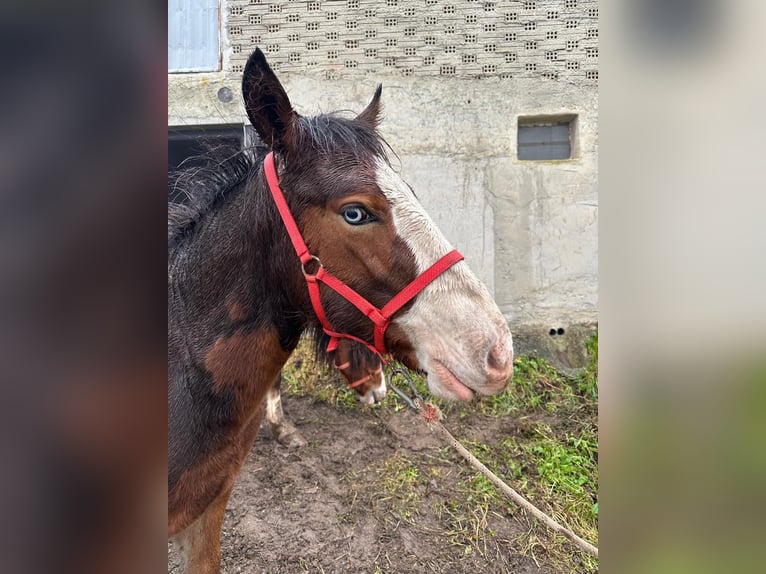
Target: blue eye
x=357, y=215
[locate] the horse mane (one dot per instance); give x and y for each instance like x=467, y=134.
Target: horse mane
x=223, y=168
x=226, y=167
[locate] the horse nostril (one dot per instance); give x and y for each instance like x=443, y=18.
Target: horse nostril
x=500, y=361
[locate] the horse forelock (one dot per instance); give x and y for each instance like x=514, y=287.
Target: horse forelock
x=329, y=149
x=334, y=135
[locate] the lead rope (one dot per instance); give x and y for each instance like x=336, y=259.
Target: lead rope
x=432, y=415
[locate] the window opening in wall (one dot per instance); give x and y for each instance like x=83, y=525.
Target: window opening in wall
x=543, y=138
x=193, y=35
x=187, y=144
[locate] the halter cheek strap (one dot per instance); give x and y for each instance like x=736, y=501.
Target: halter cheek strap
x=381, y=318
x=364, y=379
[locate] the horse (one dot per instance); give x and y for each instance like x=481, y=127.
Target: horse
x=362, y=370
x=317, y=233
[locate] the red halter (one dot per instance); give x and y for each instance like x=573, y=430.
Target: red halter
x=380, y=317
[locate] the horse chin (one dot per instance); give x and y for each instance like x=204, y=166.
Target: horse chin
x=376, y=393
x=443, y=383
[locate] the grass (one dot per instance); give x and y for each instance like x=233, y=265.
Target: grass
x=394, y=486
x=587, y=381
x=545, y=446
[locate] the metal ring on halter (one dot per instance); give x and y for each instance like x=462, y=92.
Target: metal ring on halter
x=318, y=262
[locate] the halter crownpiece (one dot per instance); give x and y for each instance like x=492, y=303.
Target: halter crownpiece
x=381, y=318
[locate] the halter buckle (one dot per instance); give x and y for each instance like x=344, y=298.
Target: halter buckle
x=319, y=266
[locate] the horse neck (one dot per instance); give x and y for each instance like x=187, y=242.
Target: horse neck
x=239, y=268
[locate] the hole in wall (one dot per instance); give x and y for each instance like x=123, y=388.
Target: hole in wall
x=225, y=95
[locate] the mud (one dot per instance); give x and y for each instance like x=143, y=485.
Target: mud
x=321, y=508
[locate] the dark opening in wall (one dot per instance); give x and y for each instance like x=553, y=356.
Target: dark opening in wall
x=186, y=144
x=547, y=137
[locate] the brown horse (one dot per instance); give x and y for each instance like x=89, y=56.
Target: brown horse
x=362, y=371
x=239, y=296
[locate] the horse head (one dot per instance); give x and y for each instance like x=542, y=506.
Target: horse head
x=363, y=225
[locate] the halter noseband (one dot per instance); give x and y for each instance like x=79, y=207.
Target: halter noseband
x=381, y=318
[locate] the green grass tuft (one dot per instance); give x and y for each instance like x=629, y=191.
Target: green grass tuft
x=587, y=381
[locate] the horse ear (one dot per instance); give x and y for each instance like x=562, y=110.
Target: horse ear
x=371, y=114
x=267, y=104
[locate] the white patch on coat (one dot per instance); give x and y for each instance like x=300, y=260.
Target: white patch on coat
x=375, y=393
x=454, y=319
x=274, y=412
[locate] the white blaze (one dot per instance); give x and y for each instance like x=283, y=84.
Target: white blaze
x=377, y=392
x=454, y=319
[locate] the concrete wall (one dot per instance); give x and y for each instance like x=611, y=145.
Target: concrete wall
x=528, y=228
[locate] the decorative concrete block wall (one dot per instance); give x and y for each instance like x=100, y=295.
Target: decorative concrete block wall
x=452, y=38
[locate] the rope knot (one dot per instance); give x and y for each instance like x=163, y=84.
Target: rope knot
x=430, y=412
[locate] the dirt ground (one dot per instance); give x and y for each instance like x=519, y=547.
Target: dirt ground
x=331, y=507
